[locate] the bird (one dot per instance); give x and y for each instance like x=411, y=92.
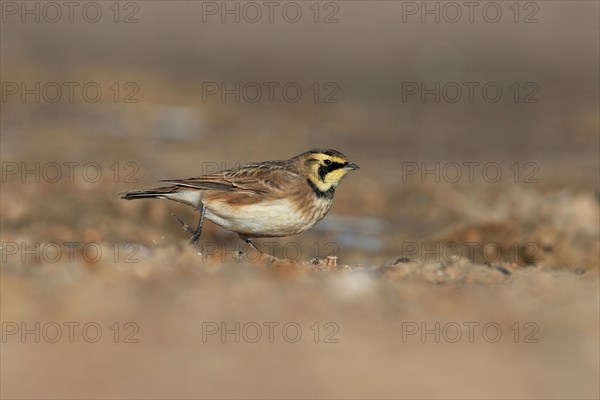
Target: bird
x=266, y=199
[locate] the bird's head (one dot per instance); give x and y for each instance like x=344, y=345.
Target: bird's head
x=325, y=168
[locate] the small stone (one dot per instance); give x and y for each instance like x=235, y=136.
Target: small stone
x=579, y=271
x=331, y=262
x=402, y=260
x=503, y=270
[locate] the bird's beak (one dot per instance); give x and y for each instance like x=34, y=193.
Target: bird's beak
x=351, y=167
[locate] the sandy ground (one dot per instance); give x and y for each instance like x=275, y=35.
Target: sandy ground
x=442, y=288
x=188, y=329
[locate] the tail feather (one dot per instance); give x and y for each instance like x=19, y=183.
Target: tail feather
x=148, y=193
x=183, y=195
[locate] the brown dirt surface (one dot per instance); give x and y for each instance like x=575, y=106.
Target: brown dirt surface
x=420, y=283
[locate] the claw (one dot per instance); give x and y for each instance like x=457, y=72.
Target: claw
x=194, y=239
x=195, y=233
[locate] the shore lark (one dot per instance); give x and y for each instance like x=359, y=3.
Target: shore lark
x=265, y=199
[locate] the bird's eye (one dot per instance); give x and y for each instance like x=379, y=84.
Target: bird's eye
x=327, y=162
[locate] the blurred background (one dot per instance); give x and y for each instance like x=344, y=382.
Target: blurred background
x=476, y=129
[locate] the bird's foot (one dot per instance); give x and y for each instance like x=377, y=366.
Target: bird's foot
x=195, y=233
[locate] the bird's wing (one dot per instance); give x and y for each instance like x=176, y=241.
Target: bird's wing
x=266, y=177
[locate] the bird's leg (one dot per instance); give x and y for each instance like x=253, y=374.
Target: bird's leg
x=249, y=242
x=253, y=246
x=260, y=253
x=198, y=232
x=195, y=233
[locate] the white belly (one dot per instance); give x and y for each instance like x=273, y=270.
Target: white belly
x=267, y=219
